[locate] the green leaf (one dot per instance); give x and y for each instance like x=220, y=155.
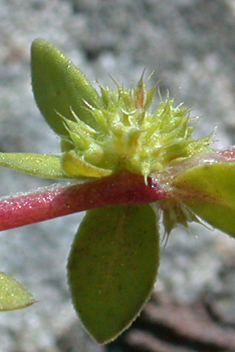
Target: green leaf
x=59, y=86
x=13, y=295
x=112, y=267
x=41, y=165
x=209, y=191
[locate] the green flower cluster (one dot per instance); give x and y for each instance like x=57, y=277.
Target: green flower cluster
x=125, y=135
x=102, y=134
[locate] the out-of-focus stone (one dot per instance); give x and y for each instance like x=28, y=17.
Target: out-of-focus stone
x=190, y=45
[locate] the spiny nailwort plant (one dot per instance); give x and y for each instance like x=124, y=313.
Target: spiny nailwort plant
x=127, y=166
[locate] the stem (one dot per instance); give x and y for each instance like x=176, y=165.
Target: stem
x=229, y=154
x=121, y=188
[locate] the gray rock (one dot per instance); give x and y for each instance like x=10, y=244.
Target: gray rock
x=190, y=46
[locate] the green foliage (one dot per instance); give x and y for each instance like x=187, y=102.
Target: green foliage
x=59, y=86
x=111, y=131
x=13, y=295
x=102, y=134
x=209, y=191
x=112, y=267
x=115, y=255
x=41, y=165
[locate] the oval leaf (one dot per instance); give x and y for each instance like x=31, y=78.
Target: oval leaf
x=59, y=86
x=112, y=267
x=209, y=191
x=13, y=295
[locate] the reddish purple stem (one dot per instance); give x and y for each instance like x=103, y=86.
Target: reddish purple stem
x=122, y=188
x=229, y=154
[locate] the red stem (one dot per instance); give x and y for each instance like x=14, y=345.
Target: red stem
x=122, y=188
x=229, y=154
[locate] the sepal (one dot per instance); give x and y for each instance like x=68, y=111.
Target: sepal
x=74, y=165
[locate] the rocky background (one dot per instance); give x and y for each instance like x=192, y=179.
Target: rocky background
x=190, y=44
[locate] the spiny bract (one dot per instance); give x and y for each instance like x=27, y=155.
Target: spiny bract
x=126, y=135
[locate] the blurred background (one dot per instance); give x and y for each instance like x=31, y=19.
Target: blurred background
x=190, y=45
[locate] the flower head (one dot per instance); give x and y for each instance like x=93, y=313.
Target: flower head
x=124, y=134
